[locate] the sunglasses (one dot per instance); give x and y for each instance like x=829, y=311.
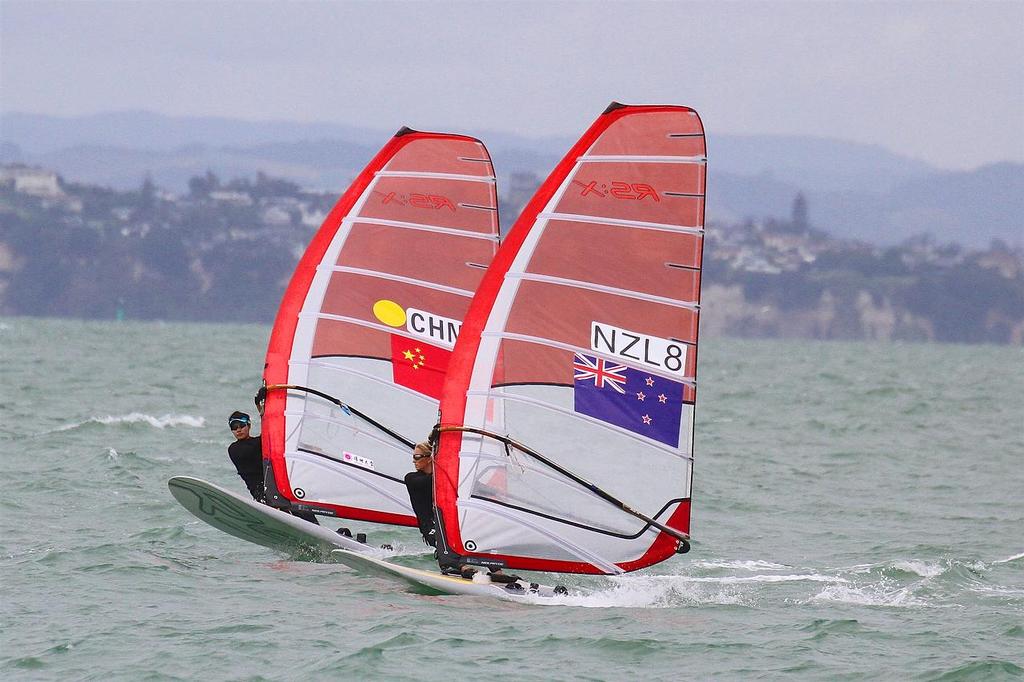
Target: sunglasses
x=237, y=424
x=417, y=458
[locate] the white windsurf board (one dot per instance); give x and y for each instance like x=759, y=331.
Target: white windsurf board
x=437, y=583
x=249, y=520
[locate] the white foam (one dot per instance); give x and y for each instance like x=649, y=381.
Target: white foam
x=649, y=592
x=868, y=596
x=738, y=579
x=162, y=422
x=997, y=590
x=921, y=568
x=1009, y=559
x=742, y=565
x=156, y=422
x=399, y=549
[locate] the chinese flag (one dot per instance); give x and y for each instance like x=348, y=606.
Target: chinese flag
x=418, y=365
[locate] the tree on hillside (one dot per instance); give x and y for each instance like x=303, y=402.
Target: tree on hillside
x=799, y=213
x=200, y=186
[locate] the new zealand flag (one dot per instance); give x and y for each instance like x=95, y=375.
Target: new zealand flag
x=630, y=398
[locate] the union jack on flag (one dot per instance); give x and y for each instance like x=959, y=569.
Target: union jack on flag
x=600, y=371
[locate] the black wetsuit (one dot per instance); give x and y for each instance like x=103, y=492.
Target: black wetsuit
x=421, y=494
x=247, y=456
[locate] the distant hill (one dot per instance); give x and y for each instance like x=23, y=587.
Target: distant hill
x=809, y=162
x=854, y=190
x=969, y=207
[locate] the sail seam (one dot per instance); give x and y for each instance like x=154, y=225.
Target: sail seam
x=489, y=179
x=590, y=286
x=352, y=220
x=397, y=278
x=618, y=222
x=611, y=158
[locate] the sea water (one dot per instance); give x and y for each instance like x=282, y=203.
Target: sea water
x=857, y=514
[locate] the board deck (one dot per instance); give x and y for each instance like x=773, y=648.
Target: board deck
x=249, y=520
x=437, y=583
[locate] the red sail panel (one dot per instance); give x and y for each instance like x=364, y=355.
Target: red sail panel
x=355, y=296
x=431, y=256
x=439, y=202
x=653, y=134
x=458, y=156
x=669, y=193
x=658, y=263
x=546, y=316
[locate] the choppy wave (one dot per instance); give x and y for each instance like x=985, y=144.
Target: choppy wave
x=749, y=565
x=901, y=583
x=161, y=422
x=668, y=591
x=877, y=594
x=648, y=592
x=921, y=568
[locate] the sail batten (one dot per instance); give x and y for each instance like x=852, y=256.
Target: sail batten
x=425, y=228
x=591, y=286
x=582, y=341
x=441, y=176
x=601, y=220
x=594, y=158
x=398, y=278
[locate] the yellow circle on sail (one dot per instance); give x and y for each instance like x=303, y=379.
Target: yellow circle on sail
x=389, y=312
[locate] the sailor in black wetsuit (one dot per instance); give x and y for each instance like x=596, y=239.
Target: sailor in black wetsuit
x=246, y=454
x=421, y=490
x=421, y=494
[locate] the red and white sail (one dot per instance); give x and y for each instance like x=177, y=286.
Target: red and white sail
x=581, y=343
x=370, y=317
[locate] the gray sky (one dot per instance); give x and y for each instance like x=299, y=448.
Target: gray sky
x=939, y=81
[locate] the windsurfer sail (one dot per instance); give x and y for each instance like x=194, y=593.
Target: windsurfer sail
x=360, y=346
x=582, y=340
